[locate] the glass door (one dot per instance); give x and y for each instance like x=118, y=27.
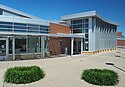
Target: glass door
x=77, y=47
x=3, y=49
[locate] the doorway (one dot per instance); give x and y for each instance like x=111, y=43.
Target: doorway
x=3, y=49
x=77, y=46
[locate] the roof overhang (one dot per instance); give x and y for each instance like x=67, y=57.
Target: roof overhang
x=44, y=35
x=87, y=14
x=23, y=20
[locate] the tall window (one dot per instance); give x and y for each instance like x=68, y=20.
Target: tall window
x=60, y=43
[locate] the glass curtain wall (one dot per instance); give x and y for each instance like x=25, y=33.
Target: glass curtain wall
x=24, y=44
x=23, y=27
x=81, y=26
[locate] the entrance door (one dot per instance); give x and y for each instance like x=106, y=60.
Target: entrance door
x=77, y=47
x=3, y=49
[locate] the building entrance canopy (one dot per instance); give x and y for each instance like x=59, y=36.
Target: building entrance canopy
x=42, y=36
x=46, y=35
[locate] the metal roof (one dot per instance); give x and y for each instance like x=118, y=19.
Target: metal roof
x=17, y=12
x=87, y=14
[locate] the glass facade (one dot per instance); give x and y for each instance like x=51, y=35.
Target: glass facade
x=22, y=27
x=26, y=44
x=80, y=26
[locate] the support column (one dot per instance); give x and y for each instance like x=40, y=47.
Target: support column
x=90, y=42
x=42, y=47
x=7, y=48
x=72, y=41
x=81, y=45
x=13, y=49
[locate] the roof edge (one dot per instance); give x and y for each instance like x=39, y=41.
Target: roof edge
x=93, y=13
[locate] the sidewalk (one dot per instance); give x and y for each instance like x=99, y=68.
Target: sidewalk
x=66, y=71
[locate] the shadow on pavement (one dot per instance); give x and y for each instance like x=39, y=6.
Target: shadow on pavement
x=112, y=64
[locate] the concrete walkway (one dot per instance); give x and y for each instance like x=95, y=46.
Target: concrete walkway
x=66, y=72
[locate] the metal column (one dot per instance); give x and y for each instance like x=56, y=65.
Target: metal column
x=42, y=47
x=72, y=41
x=13, y=49
x=81, y=45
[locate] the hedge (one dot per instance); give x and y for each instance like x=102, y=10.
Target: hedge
x=24, y=74
x=102, y=77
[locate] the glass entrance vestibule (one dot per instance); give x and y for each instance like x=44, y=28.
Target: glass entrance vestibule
x=11, y=46
x=15, y=45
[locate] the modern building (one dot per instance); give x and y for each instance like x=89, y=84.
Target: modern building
x=100, y=33
x=23, y=35
x=120, y=40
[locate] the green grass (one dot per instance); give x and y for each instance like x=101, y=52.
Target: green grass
x=23, y=75
x=102, y=77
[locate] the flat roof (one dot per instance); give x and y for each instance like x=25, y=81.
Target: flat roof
x=87, y=14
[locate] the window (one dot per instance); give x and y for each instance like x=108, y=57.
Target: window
x=77, y=31
x=1, y=12
x=6, y=23
x=86, y=35
x=77, y=26
x=60, y=43
x=76, y=21
x=20, y=44
x=85, y=21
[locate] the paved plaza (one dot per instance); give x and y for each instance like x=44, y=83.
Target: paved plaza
x=66, y=71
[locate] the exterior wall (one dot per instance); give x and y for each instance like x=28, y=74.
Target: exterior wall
x=120, y=40
x=54, y=42
x=105, y=35
x=90, y=35
x=101, y=34
x=119, y=34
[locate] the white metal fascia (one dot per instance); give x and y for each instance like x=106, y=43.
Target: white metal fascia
x=87, y=14
x=23, y=20
x=46, y=35
x=78, y=15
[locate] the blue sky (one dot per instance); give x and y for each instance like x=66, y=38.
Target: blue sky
x=54, y=9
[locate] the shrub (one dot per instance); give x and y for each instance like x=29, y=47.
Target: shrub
x=102, y=77
x=23, y=75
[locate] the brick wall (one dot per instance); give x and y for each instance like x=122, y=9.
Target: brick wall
x=120, y=42
x=119, y=34
x=54, y=42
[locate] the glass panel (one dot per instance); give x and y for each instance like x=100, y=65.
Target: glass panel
x=5, y=26
x=86, y=46
x=77, y=21
x=77, y=26
x=6, y=23
x=85, y=21
x=2, y=48
x=20, y=24
x=85, y=26
x=77, y=31
x=20, y=44
x=33, y=44
x=31, y=29
x=5, y=29
x=79, y=46
x=86, y=35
